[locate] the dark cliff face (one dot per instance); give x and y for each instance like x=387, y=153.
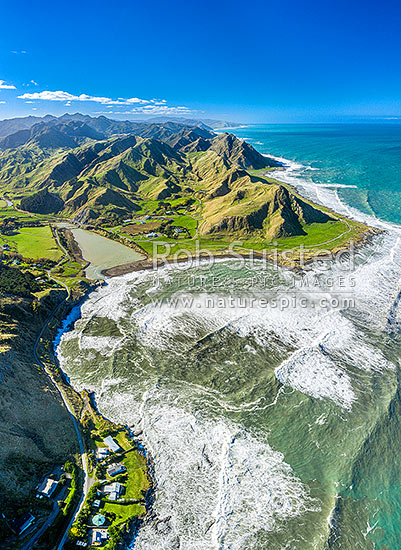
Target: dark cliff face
x=36, y=429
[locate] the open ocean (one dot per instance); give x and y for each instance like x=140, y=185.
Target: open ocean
x=273, y=427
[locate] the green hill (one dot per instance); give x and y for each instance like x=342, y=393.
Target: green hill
x=74, y=168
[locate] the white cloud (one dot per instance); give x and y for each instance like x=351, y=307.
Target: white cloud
x=152, y=110
x=2, y=102
x=133, y=100
x=162, y=110
x=59, y=95
x=4, y=86
x=139, y=106
x=16, y=52
x=34, y=83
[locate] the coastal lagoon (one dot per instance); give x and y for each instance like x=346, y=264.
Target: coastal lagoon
x=102, y=253
x=269, y=400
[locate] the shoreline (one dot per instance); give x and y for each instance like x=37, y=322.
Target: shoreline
x=53, y=330
x=268, y=255
x=157, y=263
x=136, y=522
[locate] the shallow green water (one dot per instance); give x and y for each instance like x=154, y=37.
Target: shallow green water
x=263, y=423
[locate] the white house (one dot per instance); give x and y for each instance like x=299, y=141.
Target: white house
x=47, y=487
x=102, y=453
x=111, y=444
x=99, y=537
x=113, y=490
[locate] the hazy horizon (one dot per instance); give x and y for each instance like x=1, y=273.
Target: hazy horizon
x=344, y=120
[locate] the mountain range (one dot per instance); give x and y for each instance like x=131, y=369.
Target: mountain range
x=99, y=170
x=12, y=125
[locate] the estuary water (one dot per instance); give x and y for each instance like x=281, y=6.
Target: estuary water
x=270, y=401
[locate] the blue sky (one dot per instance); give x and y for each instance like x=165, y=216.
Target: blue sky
x=243, y=61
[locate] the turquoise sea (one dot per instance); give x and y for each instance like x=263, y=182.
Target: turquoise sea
x=271, y=426
x=364, y=158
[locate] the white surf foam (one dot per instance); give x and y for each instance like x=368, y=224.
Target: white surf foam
x=217, y=485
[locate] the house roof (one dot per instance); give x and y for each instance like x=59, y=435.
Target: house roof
x=102, y=451
x=47, y=486
x=98, y=535
x=116, y=468
x=112, y=445
x=115, y=486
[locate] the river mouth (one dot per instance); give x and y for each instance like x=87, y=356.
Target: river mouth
x=256, y=416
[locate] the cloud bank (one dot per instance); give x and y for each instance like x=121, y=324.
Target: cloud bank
x=139, y=106
x=66, y=96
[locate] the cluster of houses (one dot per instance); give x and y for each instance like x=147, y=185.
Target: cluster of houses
x=112, y=491
x=45, y=489
x=99, y=535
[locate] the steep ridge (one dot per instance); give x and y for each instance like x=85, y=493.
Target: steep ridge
x=109, y=127
x=239, y=205
x=51, y=136
x=239, y=153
